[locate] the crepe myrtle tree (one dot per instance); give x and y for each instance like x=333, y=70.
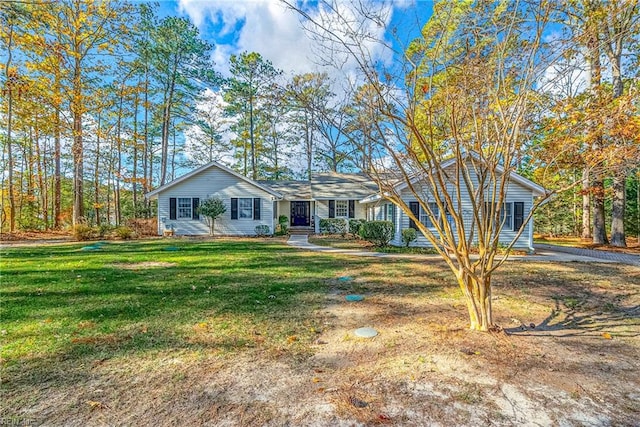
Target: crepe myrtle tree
x=212, y=209
x=453, y=111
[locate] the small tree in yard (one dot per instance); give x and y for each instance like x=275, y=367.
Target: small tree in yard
x=453, y=113
x=212, y=209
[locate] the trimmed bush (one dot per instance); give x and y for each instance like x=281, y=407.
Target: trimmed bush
x=262, y=230
x=355, y=225
x=409, y=235
x=123, y=232
x=379, y=233
x=333, y=226
x=83, y=232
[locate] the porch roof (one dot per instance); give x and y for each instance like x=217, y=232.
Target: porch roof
x=291, y=190
x=331, y=185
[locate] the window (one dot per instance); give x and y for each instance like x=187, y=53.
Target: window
x=511, y=215
x=424, y=216
x=245, y=208
x=390, y=212
x=342, y=209
x=184, y=208
x=507, y=217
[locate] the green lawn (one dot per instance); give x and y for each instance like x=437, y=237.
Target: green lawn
x=66, y=302
x=253, y=332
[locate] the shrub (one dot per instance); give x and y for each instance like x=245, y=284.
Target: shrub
x=283, y=225
x=333, y=226
x=355, y=225
x=409, y=235
x=104, y=230
x=83, y=232
x=144, y=226
x=262, y=230
x=379, y=233
x=123, y=232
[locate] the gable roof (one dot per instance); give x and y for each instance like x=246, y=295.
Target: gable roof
x=536, y=189
x=154, y=193
x=332, y=185
x=291, y=190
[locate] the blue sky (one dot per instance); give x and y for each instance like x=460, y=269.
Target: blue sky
x=267, y=27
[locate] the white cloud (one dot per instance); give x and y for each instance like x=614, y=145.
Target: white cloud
x=269, y=28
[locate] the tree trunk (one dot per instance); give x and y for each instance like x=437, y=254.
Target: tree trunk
x=41, y=183
x=617, y=213
x=118, y=174
x=477, y=294
x=166, y=123
x=12, y=197
x=173, y=151
x=78, y=159
x=254, y=173
x=57, y=190
x=586, y=205
x=10, y=89
x=96, y=175
x=134, y=177
x=597, y=184
x=147, y=171
x=619, y=179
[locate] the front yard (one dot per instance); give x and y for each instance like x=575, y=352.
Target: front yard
x=252, y=332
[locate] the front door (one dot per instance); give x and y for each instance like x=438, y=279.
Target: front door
x=300, y=214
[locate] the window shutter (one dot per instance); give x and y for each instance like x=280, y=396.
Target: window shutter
x=352, y=208
x=172, y=208
x=195, y=204
x=332, y=208
x=256, y=208
x=518, y=215
x=415, y=210
x=234, y=208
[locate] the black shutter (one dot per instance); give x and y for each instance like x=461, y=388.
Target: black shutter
x=195, y=204
x=234, y=208
x=172, y=208
x=332, y=208
x=352, y=208
x=518, y=215
x=415, y=210
x=256, y=208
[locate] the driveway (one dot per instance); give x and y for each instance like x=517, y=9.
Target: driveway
x=544, y=252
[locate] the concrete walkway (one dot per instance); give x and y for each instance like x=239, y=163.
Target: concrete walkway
x=591, y=253
x=549, y=253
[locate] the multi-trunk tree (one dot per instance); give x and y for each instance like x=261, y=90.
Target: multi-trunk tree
x=472, y=71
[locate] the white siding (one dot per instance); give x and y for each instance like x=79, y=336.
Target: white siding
x=515, y=193
x=215, y=182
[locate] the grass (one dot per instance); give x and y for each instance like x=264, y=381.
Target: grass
x=226, y=331
x=62, y=301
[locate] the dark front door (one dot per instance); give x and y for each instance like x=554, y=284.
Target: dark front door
x=300, y=214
